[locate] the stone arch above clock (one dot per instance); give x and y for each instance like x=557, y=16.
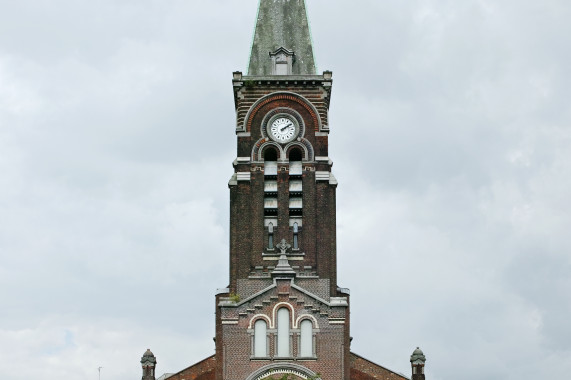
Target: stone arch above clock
x=283, y=99
x=293, y=106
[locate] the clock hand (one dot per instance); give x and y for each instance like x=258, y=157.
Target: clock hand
x=284, y=128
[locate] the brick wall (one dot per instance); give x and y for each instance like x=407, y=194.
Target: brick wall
x=233, y=329
x=203, y=370
x=363, y=369
x=248, y=236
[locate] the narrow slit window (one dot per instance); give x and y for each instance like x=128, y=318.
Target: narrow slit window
x=271, y=236
x=295, y=236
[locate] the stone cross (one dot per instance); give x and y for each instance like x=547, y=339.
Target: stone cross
x=283, y=246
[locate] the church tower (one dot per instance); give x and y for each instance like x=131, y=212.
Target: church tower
x=283, y=315
x=283, y=312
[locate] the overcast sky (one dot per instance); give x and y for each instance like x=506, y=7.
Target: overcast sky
x=450, y=133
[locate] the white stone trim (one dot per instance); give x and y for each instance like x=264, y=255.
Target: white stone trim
x=325, y=177
x=322, y=176
x=259, y=316
x=280, y=305
x=244, y=176
x=306, y=316
x=273, y=94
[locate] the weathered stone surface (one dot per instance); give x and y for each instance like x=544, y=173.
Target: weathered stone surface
x=282, y=23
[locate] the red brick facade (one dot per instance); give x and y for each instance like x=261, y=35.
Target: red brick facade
x=257, y=292
x=360, y=369
x=248, y=235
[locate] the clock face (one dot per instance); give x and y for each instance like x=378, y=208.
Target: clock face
x=283, y=129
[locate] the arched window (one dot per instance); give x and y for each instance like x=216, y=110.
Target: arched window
x=270, y=154
x=260, y=339
x=306, y=339
x=283, y=333
x=271, y=236
x=295, y=234
x=295, y=155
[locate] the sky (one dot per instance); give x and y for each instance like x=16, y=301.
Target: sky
x=450, y=133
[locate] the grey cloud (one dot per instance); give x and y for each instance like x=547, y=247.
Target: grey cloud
x=450, y=135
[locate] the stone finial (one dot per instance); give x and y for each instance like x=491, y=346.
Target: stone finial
x=417, y=361
x=417, y=357
x=148, y=362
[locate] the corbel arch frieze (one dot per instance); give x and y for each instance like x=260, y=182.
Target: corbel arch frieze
x=282, y=95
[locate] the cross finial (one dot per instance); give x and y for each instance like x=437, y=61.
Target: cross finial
x=283, y=246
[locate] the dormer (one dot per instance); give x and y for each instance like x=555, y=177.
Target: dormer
x=282, y=61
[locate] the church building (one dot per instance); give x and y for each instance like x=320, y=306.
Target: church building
x=283, y=314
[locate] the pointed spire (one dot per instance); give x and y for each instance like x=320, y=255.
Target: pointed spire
x=282, y=24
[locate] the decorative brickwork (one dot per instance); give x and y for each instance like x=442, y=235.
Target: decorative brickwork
x=328, y=319
x=248, y=236
x=289, y=98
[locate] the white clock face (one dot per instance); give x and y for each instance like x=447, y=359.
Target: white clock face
x=283, y=129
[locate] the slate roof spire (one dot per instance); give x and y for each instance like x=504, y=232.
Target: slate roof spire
x=282, y=24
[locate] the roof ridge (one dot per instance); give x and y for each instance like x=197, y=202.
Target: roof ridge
x=382, y=366
x=195, y=364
